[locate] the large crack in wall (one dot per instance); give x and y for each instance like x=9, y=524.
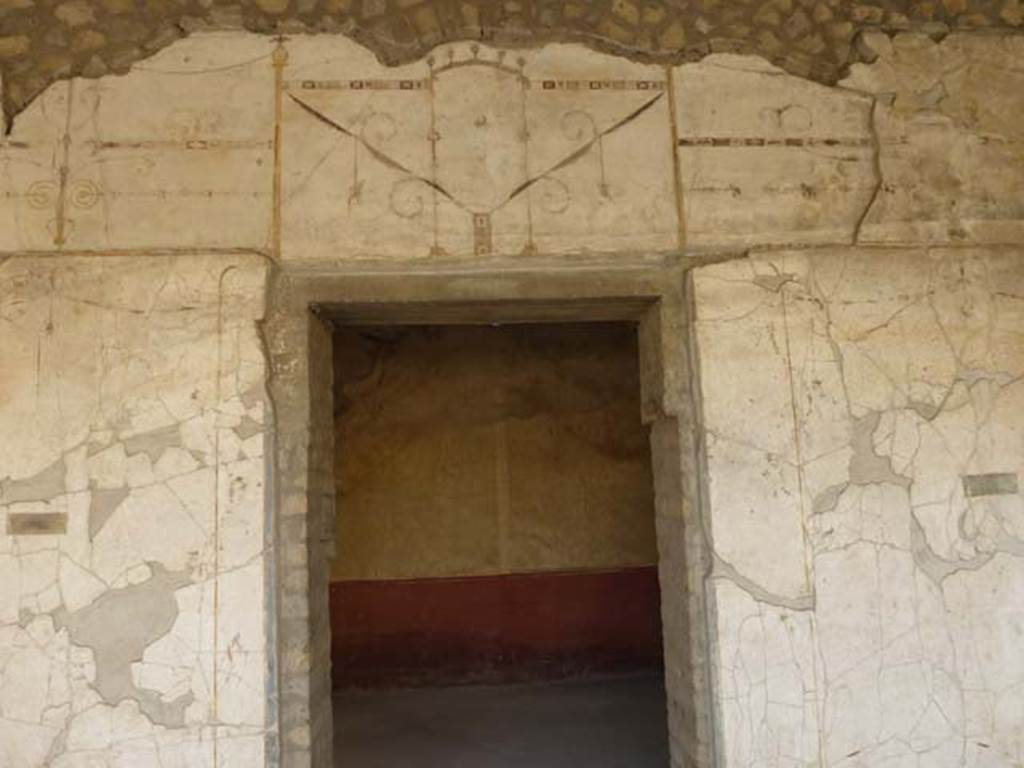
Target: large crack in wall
x=45, y=40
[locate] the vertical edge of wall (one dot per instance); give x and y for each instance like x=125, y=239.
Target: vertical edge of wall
x=322, y=518
x=287, y=336
x=289, y=333
x=671, y=406
x=700, y=545
x=271, y=538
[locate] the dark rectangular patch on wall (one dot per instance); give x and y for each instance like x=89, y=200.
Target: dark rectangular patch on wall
x=32, y=524
x=994, y=484
x=494, y=629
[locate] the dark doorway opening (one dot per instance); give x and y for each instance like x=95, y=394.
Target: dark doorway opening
x=494, y=598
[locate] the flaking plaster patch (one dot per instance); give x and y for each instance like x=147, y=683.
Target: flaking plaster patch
x=866, y=466
x=154, y=442
x=44, y=486
x=247, y=427
x=118, y=627
x=907, y=408
x=938, y=568
x=103, y=503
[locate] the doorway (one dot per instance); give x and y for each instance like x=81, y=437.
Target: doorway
x=494, y=595
x=307, y=304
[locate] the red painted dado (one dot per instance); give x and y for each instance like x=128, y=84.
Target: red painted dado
x=494, y=628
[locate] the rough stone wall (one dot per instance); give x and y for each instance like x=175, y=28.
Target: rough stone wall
x=44, y=40
x=859, y=367
x=131, y=490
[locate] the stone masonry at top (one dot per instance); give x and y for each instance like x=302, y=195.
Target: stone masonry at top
x=46, y=40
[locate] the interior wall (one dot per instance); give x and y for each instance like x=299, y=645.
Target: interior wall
x=858, y=373
x=472, y=450
x=495, y=505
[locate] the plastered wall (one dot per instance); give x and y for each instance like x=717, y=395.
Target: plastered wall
x=859, y=347
x=867, y=523
x=477, y=450
x=131, y=621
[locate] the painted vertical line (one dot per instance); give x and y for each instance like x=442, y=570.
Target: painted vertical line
x=698, y=446
x=279, y=58
x=60, y=214
x=39, y=367
x=355, y=172
x=217, y=468
x=524, y=85
x=819, y=703
x=272, y=715
x=271, y=538
x=435, y=250
x=677, y=177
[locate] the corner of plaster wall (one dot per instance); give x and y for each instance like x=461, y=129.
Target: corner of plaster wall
x=693, y=432
x=271, y=533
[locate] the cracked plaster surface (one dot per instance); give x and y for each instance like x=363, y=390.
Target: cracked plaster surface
x=872, y=384
x=137, y=636
x=868, y=607
x=309, y=147
x=950, y=136
x=143, y=613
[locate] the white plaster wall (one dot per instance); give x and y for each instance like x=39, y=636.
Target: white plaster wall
x=853, y=370
x=312, y=150
x=869, y=610
x=131, y=401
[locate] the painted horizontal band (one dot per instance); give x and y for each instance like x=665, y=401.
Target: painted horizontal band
x=494, y=628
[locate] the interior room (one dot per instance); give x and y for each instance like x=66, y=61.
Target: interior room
x=494, y=594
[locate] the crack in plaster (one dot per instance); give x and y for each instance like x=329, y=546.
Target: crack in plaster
x=116, y=683
x=932, y=565
x=723, y=570
x=877, y=531
x=876, y=165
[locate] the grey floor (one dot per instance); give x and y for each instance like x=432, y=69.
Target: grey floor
x=605, y=723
